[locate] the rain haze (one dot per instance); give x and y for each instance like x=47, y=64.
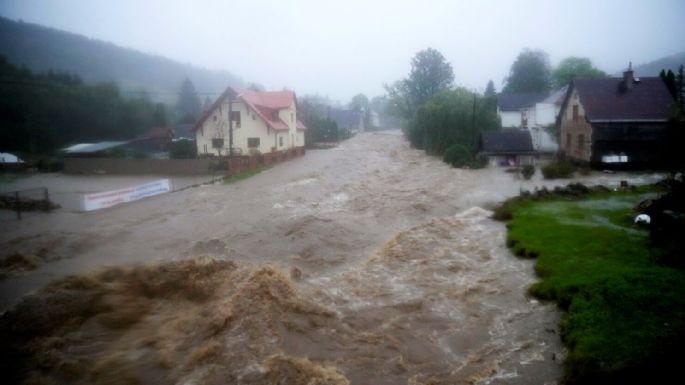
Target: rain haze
x=343, y=48
x=342, y=192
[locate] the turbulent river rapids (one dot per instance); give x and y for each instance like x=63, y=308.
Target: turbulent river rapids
x=369, y=263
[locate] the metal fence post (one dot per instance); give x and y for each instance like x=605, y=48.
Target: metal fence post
x=17, y=205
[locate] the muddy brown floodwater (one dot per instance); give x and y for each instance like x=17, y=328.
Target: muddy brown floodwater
x=369, y=263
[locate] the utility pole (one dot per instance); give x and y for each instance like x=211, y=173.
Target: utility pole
x=230, y=123
x=473, y=123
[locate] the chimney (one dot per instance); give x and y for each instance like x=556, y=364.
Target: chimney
x=628, y=77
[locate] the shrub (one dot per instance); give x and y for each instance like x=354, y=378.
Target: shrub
x=528, y=171
x=182, y=149
x=479, y=161
x=457, y=155
x=557, y=170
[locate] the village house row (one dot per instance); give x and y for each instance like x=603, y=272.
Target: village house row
x=602, y=122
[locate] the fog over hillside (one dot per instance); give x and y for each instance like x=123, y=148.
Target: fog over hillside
x=653, y=68
x=42, y=49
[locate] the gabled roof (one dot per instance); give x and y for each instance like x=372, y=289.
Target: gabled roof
x=556, y=97
x=506, y=142
x=608, y=99
x=517, y=101
x=266, y=104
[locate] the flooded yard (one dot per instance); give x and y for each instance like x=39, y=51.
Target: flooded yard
x=368, y=263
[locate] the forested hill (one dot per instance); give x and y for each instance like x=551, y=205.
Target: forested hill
x=654, y=67
x=42, y=49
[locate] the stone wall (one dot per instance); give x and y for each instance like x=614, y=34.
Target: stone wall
x=138, y=166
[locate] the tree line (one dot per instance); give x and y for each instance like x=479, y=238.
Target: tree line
x=40, y=113
x=532, y=72
x=446, y=120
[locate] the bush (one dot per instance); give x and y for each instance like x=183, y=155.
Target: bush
x=182, y=149
x=528, y=171
x=479, y=161
x=457, y=155
x=557, y=170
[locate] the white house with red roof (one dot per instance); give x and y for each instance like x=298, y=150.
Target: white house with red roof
x=261, y=121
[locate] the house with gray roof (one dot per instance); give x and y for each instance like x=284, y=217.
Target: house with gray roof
x=508, y=147
x=616, y=121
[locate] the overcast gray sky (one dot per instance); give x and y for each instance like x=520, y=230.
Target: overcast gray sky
x=345, y=47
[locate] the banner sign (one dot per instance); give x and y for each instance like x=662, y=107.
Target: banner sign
x=106, y=199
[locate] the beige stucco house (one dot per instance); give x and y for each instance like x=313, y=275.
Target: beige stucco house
x=261, y=122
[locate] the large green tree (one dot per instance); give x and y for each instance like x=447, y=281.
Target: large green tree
x=452, y=117
x=574, y=67
x=430, y=75
x=530, y=72
x=490, y=90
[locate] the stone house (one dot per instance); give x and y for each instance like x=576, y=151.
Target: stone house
x=610, y=121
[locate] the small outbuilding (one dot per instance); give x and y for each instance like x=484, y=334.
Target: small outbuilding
x=507, y=148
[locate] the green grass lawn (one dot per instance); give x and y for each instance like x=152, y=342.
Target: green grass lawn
x=625, y=313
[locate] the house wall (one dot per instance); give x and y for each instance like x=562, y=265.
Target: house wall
x=510, y=118
x=573, y=130
x=289, y=116
x=512, y=160
x=545, y=114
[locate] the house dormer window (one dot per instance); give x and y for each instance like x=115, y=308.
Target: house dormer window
x=575, y=112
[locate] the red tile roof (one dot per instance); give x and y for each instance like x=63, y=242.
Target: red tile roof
x=266, y=104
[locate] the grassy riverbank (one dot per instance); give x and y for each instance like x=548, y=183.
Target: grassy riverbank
x=625, y=312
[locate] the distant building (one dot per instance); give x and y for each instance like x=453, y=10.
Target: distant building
x=7, y=158
x=535, y=112
x=263, y=121
x=156, y=141
x=612, y=121
x=347, y=119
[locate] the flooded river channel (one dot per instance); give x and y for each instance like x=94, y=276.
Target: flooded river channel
x=368, y=263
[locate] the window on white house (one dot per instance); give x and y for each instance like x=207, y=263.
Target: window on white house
x=205, y=147
x=217, y=142
x=575, y=112
x=235, y=116
x=280, y=141
x=253, y=142
x=215, y=118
